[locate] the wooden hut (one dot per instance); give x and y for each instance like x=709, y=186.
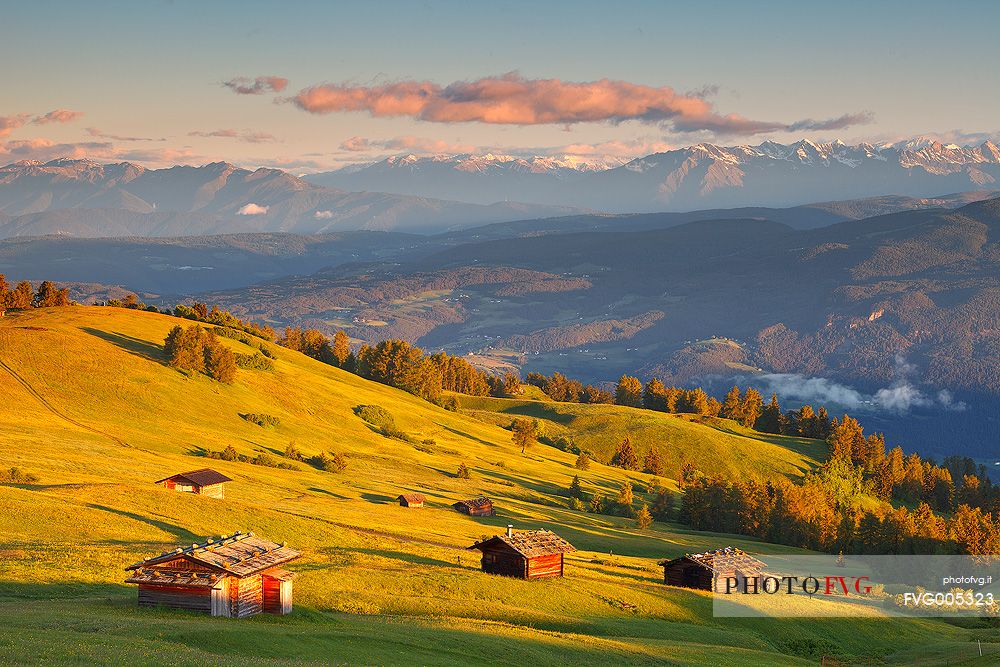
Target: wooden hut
x=480, y=506
x=710, y=570
x=528, y=554
x=234, y=576
x=412, y=500
x=205, y=481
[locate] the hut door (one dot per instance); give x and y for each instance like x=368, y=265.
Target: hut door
x=220, y=599
x=286, y=597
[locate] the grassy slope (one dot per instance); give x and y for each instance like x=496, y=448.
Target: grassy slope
x=379, y=584
x=714, y=445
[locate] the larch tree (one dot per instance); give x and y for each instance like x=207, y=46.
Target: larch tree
x=524, y=432
x=625, y=456
x=341, y=348
x=628, y=391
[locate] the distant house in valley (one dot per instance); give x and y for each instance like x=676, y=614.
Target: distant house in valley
x=205, y=481
x=710, y=570
x=480, y=506
x=412, y=500
x=3, y=311
x=528, y=554
x=235, y=576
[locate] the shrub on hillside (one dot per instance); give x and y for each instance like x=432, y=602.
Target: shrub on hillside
x=261, y=419
x=254, y=362
x=262, y=459
x=382, y=421
x=293, y=452
x=463, y=471
x=15, y=475
x=334, y=463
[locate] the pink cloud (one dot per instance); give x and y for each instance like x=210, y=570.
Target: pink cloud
x=57, y=116
x=248, y=136
x=94, y=132
x=515, y=100
x=44, y=149
x=243, y=85
x=10, y=123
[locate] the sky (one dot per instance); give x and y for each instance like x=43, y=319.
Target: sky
x=311, y=86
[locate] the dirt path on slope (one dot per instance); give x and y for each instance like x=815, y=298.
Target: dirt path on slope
x=51, y=408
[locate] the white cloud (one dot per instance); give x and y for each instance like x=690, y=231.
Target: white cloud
x=253, y=209
x=323, y=215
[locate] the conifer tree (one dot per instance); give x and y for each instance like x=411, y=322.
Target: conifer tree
x=653, y=464
x=628, y=391
x=582, y=461
x=751, y=407
x=341, y=348
x=625, y=456
x=643, y=519
x=575, y=489
x=732, y=405
x=524, y=433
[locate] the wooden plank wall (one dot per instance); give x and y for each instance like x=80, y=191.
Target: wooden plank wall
x=545, y=566
x=213, y=491
x=246, y=596
x=178, y=597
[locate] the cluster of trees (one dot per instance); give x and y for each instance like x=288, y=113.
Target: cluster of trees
x=909, y=479
x=857, y=502
x=329, y=462
x=199, y=312
x=399, y=364
x=813, y=515
x=24, y=296
x=15, y=475
x=658, y=506
x=262, y=459
x=560, y=388
x=748, y=407
x=196, y=349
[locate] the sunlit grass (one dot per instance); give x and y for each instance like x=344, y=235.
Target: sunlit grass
x=378, y=584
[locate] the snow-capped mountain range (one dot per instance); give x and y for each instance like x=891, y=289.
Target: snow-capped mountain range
x=701, y=176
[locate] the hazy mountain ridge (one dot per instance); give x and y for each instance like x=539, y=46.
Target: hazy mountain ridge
x=86, y=198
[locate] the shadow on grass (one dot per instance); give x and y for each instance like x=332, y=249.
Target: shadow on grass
x=316, y=489
x=179, y=533
x=377, y=498
x=466, y=435
x=412, y=559
x=131, y=344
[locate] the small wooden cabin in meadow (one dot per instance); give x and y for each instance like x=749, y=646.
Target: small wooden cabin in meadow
x=205, y=481
x=234, y=576
x=709, y=570
x=480, y=506
x=528, y=554
x=411, y=500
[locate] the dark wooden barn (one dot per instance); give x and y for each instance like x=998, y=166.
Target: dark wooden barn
x=709, y=570
x=234, y=576
x=205, y=481
x=481, y=506
x=528, y=554
x=412, y=500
